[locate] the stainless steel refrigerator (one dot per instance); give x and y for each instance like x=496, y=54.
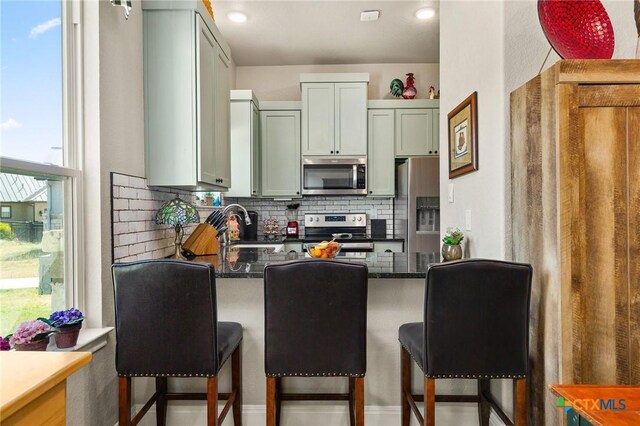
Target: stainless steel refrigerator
x=417, y=205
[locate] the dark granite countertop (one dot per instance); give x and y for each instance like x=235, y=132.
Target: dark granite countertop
x=281, y=240
x=238, y=262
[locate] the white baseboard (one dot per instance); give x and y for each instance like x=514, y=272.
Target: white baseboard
x=319, y=415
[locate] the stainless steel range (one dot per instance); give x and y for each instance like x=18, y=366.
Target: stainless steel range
x=349, y=229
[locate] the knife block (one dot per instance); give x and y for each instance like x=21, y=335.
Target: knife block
x=202, y=241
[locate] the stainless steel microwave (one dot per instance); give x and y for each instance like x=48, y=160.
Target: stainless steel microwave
x=334, y=176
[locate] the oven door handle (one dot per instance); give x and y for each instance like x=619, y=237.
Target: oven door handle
x=343, y=236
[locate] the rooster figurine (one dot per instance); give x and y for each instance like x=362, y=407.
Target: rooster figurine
x=432, y=92
x=396, y=87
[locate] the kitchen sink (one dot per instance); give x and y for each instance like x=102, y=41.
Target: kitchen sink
x=277, y=248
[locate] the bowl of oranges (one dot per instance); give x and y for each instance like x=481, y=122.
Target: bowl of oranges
x=323, y=249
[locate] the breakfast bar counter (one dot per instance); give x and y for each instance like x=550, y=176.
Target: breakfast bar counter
x=395, y=296
x=241, y=262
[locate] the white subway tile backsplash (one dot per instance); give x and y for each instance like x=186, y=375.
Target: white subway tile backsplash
x=134, y=205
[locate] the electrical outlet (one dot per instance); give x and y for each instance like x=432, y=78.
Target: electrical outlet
x=467, y=220
x=451, y=193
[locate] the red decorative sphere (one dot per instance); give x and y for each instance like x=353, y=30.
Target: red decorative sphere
x=577, y=29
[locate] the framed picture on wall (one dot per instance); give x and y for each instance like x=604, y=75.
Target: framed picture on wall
x=463, y=137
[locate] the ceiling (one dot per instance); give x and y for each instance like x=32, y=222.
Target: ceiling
x=318, y=32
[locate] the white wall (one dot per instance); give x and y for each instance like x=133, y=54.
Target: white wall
x=282, y=83
x=476, y=65
x=114, y=141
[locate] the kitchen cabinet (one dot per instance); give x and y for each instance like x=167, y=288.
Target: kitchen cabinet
x=575, y=192
x=388, y=246
x=381, y=153
x=245, y=145
x=334, y=114
x=186, y=89
x=280, y=152
x=414, y=132
x=417, y=125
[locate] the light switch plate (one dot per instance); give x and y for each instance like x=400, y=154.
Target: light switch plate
x=467, y=220
x=451, y=193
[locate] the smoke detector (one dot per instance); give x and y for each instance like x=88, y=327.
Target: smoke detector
x=369, y=15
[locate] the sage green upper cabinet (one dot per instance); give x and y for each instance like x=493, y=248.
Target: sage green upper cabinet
x=414, y=132
x=186, y=93
x=417, y=130
x=380, y=159
x=245, y=145
x=280, y=150
x=334, y=114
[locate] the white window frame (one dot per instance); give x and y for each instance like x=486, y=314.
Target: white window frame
x=72, y=108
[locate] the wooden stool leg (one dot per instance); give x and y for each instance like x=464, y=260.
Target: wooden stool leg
x=124, y=401
x=271, y=401
x=212, y=401
x=236, y=384
x=278, y=399
x=359, y=403
x=352, y=401
x=405, y=385
x=429, y=402
x=161, y=402
x=520, y=402
x=484, y=408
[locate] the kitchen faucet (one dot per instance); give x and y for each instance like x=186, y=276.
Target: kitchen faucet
x=247, y=220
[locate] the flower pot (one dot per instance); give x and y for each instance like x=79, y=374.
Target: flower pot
x=34, y=345
x=451, y=252
x=67, y=337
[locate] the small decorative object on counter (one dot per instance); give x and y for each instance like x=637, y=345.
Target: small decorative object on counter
x=233, y=228
x=409, y=91
x=271, y=228
x=324, y=249
x=208, y=199
x=451, y=249
x=438, y=94
x=177, y=212
x=68, y=323
x=432, y=92
x=4, y=344
x=31, y=336
x=396, y=88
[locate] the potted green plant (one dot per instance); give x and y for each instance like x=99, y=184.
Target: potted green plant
x=31, y=336
x=451, y=249
x=68, y=324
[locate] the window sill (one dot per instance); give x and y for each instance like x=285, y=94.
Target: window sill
x=90, y=340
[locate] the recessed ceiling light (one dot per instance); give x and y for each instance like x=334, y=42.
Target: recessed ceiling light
x=237, y=17
x=426, y=13
x=369, y=15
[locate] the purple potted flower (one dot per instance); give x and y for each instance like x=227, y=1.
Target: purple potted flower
x=68, y=323
x=4, y=344
x=31, y=336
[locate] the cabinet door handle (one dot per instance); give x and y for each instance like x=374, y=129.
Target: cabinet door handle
x=332, y=152
x=388, y=251
x=297, y=192
x=337, y=152
x=370, y=192
x=435, y=152
x=430, y=152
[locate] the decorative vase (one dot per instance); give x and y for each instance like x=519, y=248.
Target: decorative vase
x=409, y=90
x=451, y=252
x=34, y=345
x=67, y=337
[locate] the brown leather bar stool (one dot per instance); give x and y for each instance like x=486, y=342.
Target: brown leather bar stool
x=315, y=326
x=167, y=326
x=476, y=326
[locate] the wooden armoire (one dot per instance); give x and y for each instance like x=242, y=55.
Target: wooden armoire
x=575, y=216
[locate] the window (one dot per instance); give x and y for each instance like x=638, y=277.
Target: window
x=39, y=170
x=5, y=212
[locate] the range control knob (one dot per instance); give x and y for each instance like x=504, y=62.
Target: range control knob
x=353, y=219
x=359, y=218
x=317, y=219
x=310, y=219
